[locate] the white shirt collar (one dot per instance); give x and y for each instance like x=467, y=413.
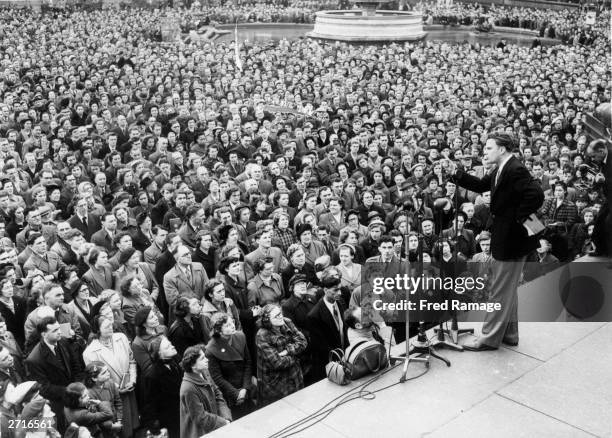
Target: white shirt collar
x=503, y=163
x=330, y=307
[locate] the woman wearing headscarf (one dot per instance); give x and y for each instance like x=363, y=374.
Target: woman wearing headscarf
x=229, y=364
x=279, y=344
x=82, y=304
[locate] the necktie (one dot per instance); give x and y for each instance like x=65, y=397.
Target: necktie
x=497, y=175
x=85, y=220
x=188, y=272
x=337, y=320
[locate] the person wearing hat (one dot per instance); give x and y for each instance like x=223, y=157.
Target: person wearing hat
x=327, y=330
x=418, y=178
x=303, y=298
x=81, y=305
x=130, y=264
x=376, y=228
x=313, y=249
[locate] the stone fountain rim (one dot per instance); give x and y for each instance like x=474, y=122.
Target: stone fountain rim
x=355, y=13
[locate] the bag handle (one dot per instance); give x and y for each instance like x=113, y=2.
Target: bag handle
x=348, y=353
x=382, y=354
x=336, y=354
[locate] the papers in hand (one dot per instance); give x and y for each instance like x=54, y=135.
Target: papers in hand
x=125, y=381
x=65, y=330
x=533, y=225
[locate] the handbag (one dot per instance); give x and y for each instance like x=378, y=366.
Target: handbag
x=365, y=357
x=336, y=368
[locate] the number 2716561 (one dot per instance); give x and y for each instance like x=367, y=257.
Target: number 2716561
x=29, y=424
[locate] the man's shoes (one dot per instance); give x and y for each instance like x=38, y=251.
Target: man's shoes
x=510, y=343
x=475, y=345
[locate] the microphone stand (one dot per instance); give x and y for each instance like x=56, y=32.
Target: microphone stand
x=455, y=331
x=420, y=350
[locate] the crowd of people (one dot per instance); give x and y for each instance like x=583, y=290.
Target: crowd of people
x=302, y=11
x=567, y=25
x=182, y=237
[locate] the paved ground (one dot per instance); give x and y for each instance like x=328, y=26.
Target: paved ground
x=556, y=383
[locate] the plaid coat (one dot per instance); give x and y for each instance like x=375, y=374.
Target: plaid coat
x=283, y=238
x=277, y=375
x=566, y=213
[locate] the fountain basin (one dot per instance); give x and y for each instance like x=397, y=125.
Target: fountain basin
x=354, y=25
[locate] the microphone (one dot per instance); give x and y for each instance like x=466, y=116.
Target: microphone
x=441, y=204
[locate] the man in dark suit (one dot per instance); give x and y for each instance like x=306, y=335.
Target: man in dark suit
x=84, y=221
x=600, y=151
x=164, y=263
x=324, y=321
x=104, y=237
x=52, y=364
x=514, y=196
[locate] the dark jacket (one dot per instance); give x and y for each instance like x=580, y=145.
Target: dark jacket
x=93, y=225
x=513, y=199
x=54, y=372
x=165, y=262
x=290, y=271
x=161, y=401
x=100, y=418
x=324, y=335
x=139, y=240
x=207, y=260
x=230, y=365
x=182, y=335
x=15, y=320
x=102, y=239
x=297, y=310
x=202, y=407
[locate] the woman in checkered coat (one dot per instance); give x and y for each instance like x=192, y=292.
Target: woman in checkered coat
x=279, y=343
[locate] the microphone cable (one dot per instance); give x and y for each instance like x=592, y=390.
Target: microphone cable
x=358, y=392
